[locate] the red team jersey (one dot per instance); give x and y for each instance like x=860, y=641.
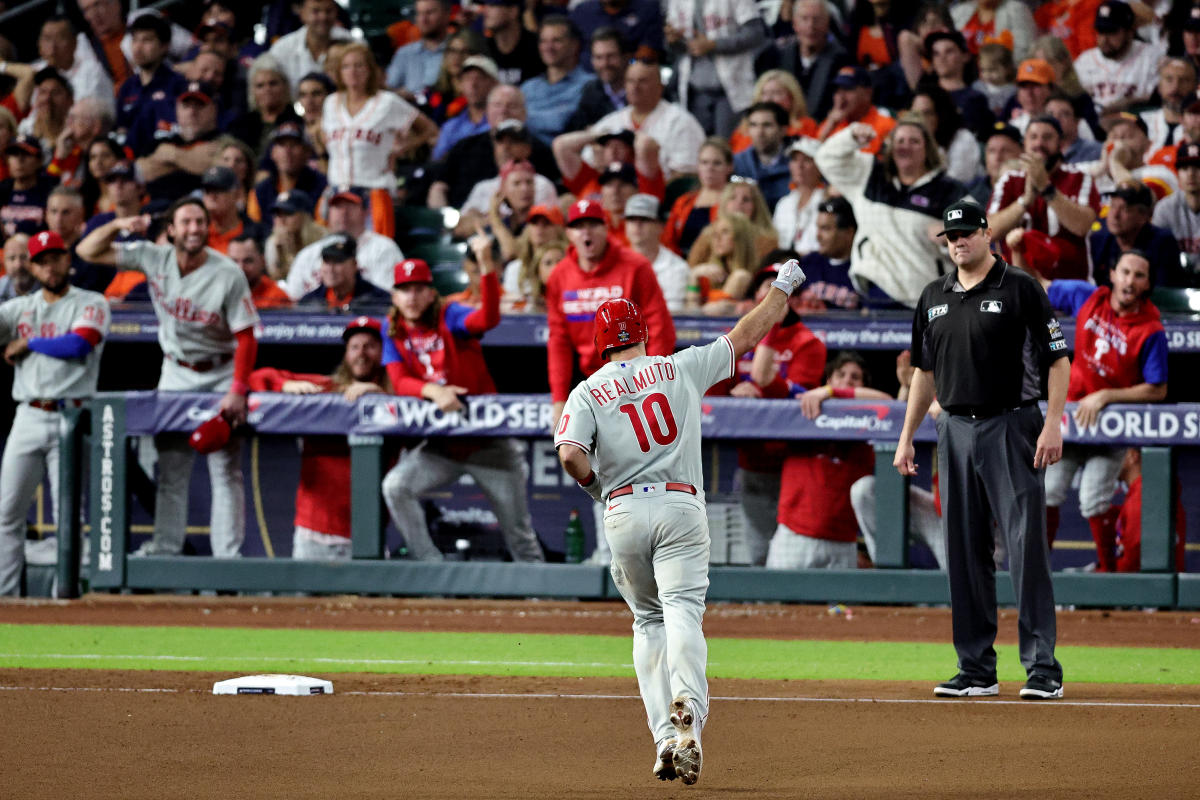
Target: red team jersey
x=572, y=297
x=1071, y=182
x=1111, y=351
x=814, y=494
x=1129, y=531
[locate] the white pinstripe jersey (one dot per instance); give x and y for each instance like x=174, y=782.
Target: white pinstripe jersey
x=359, y=145
x=39, y=376
x=640, y=419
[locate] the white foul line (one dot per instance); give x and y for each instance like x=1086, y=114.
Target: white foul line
x=723, y=698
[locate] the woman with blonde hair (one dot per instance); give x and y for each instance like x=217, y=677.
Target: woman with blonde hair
x=741, y=196
x=898, y=201
x=366, y=129
x=531, y=282
x=1054, y=51
x=543, y=226
x=444, y=99
x=696, y=209
x=293, y=230
x=780, y=87
x=723, y=275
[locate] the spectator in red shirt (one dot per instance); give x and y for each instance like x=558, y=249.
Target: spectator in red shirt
x=322, y=531
x=594, y=270
x=1129, y=523
x=432, y=351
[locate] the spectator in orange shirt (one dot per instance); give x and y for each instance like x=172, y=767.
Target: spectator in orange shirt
x=221, y=192
x=245, y=251
x=852, y=103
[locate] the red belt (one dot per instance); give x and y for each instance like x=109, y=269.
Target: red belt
x=204, y=366
x=686, y=488
x=50, y=404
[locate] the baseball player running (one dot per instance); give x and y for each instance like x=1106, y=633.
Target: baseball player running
x=638, y=418
x=53, y=338
x=206, y=329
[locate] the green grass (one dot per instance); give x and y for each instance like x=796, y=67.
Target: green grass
x=321, y=651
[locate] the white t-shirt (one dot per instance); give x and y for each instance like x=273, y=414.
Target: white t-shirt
x=797, y=226
x=359, y=145
x=87, y=77
x=1135, y=75
x=640, y=419
x=38, y=375
x=294, y=56
x=480, y=197
x=198, y=313
x=678, y=133
x=673, y=274
x=377, y=258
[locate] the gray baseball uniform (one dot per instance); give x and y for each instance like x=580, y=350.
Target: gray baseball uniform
x=640, y=421
x=198, y=317
x=40, y=383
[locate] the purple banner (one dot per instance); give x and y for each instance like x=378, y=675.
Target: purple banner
x=528, y=415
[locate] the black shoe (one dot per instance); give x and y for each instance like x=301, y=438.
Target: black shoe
x=965, y=686
x=1039, y=687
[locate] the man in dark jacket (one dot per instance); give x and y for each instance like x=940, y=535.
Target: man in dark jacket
x=342, y=288
x=811, y=46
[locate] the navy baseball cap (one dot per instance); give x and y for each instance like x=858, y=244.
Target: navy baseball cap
x=617, y=171
x=1192, y=23
x=513, y=128
x=219, y=179
x=624, y=134
x=292, y=202
x=26, y=145
x=965, y=215
x=339, y=248
x=350, y=194
x=289, y=130
x=852, y=77
x=1188, y=155
x=197, y=90
x=1113, y=16
x=1006, y=130
x=121, y=171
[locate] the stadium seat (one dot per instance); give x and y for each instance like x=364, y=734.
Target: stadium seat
x=1176, y=300
x=676, y=188
x=417, y=225
x=448, y=280
x=436, y=254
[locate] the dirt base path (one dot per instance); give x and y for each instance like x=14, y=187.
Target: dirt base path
x=110, y=734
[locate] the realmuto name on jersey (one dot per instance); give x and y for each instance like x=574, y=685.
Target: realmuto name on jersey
x=647, y=376
x=356, y=134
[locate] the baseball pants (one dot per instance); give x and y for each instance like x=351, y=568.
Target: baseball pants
x=227, y=517
x=923, y=520
x=791, y=550
x=660, y=551
x=310, y=545
x=31, y=450
x=760, y=510
x=1099, y=468
x=500, y=470
x=986, y=471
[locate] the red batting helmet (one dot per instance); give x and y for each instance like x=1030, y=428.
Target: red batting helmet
x=618, y=324
x=211, y=436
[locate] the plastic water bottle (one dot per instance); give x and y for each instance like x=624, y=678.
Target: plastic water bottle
x=574, y=538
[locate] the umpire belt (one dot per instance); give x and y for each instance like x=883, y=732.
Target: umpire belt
x=986, y=412
x=203, y=366
x=53, y=404
x=648, y=489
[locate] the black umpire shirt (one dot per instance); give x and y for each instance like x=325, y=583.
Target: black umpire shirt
x=986, y=346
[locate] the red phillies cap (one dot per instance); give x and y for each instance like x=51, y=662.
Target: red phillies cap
x=412, y=270
x=45, y=242
x=211, y=436
x=360, y=324
x=586, y=209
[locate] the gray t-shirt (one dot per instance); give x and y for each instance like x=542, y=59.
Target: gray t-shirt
x=39, y=376
x=198, y=313
x=641, y=418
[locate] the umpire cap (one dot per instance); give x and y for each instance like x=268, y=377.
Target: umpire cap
x=965, y=215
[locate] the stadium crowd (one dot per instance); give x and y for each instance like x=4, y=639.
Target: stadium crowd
x=667, y=151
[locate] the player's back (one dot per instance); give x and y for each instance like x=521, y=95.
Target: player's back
x=641, y=418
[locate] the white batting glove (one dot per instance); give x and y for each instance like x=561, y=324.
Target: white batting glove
x=790, y=277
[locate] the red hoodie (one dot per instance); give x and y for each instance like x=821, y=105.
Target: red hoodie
x=572, y=297
x=1108, y=346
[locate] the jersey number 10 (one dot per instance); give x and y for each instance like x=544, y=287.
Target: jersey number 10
x=663, y=431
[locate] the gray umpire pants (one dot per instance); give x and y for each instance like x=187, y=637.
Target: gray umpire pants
x=498, y=467
x=986, y=471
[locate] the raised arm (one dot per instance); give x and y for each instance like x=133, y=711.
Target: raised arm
x=751, y=328
x=97, y=246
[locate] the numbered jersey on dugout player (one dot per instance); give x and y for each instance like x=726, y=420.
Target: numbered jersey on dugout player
x=640, y=419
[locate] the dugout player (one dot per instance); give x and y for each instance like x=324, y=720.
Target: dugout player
x=53, y=338
x=432, y=351
x=206, y=329
x=322, y=531
x=638, y=418
x=981, y=338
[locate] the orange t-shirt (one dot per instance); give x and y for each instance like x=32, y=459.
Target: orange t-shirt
x=882, y=124
x=123, y=284
x=116, y=58
x=220, y=241
x=974, y=32
x=267, y=294
x=872, y=49
x=1073, y=21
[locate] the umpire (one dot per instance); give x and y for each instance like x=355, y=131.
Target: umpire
x=982, y=337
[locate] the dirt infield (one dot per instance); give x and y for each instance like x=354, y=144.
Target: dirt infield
x=163, y=735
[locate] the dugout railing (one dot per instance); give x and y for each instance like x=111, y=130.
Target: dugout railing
x=115, y=417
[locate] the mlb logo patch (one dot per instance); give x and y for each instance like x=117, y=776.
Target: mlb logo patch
x=992, y=306
x=955, y=214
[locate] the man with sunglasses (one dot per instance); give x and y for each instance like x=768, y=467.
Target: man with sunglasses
x=981, y=337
